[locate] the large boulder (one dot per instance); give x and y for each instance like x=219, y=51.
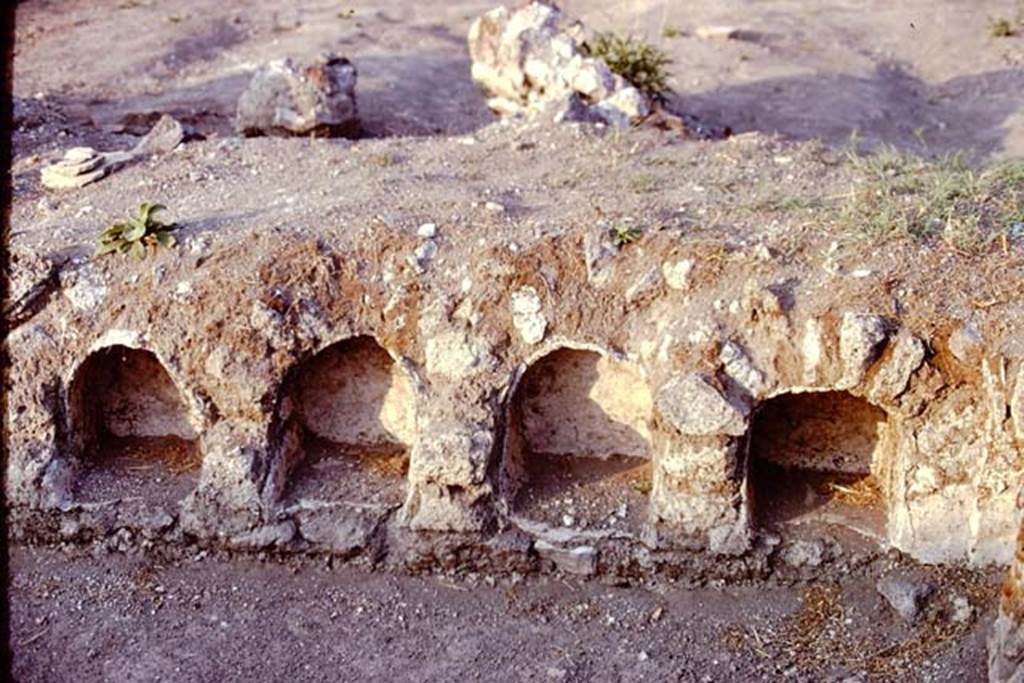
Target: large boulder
x=285, y=98
x=532, y=61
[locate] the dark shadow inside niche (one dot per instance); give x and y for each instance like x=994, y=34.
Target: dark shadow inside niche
x=820, y=457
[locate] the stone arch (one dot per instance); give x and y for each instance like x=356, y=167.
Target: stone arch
x=820, y=455
x=130, y=428
x=349, y=411
x=577, y=444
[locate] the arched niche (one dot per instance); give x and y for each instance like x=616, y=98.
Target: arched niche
x=578, y=447
x=353, y=409
x=130, y=429
x=820, y=456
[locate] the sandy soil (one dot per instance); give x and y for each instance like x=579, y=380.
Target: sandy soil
x=335, y=473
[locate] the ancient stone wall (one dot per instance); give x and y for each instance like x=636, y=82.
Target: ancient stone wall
x=364, y=408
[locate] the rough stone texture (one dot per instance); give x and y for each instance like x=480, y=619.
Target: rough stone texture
x=740, y=369
x=696, y=408
x=1006, y=642
x=908, y=353
x=861, y=338
x=354, y=393
x=299, y=99
x=84, y=165
x=140, y=399
x=254, y=293
x=581, y=560
x=584, y=403
x=677, y=273
x=825, y=431
x=966, y=344
x=904, y=594
x=530, y=60
x=527, y=316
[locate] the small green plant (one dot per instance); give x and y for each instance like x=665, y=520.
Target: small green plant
x=136, y=236
x=642, y=64
x=1001, y=27
x=670, y=32
x=625, y=234
x=346, y=13
x=642, y=486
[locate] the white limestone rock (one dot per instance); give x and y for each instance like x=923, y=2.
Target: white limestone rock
x=861, y=340
x=527, y=316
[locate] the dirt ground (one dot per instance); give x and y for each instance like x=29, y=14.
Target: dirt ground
x=918, y=74
x=922, y=75
x=102, y=615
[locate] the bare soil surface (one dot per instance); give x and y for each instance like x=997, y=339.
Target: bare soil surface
x=158, y=470
x=337, y=473
x=916, y=74
x=586, y=493
x=138, y=617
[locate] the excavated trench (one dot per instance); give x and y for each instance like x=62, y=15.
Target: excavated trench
x=347, y=380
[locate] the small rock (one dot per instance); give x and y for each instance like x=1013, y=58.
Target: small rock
x=427, y=230
x=677, y=274
x=695, y=407
x=581, y=560
x=962, y=610
x=862, y=338
x=762, y=253
x=532, y=61
x=494, y=207
x=804, y=554
x=568, y=520
x=645, y=287
x=426, y=251
x=966, y=344
x=717, y=32
x=527, y=317
x=905, y=595
x=289, y=98
x=164, y=137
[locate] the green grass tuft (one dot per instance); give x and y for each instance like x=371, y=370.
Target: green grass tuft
x=900, y=195
x=642, y=64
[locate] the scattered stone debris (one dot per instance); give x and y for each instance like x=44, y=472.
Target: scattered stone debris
x=907, y=595
x=804, y=554
x=84, y=165
x=285, y=98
